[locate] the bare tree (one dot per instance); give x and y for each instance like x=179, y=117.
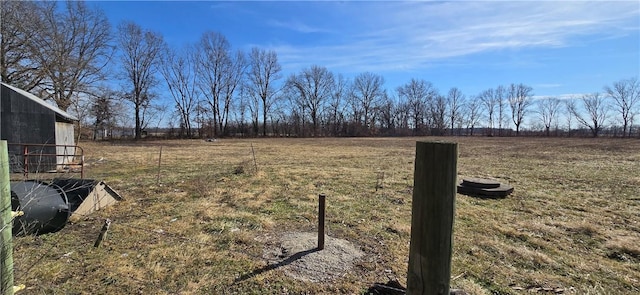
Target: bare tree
x=234, y=79
x=121, y=119
x=264, y=70
x=102, y=109
x=243, y=105
x=220, y=72
x=296, y=107
x=20, y=21
x=596, y=109
x=336, y=104
x=279, y=108
x=418, y=94
x=72, y=48
x=178, y=70
x=455, y=100
x=438, y=109
x=569, y=105
x=500, y=100
x=213, y=60
x=387, y=115
x=488, y=99
x=202, y=120
x=141, y=50
x=548, y=109
x=520, y=98
x=313, y=87
x=625, y=94
x=251, y=103
x=80, y=107
x=153, y=115
x=473, y=112
x=366, y=94
x=403, y=114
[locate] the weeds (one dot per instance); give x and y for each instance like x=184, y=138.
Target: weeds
x=572, y=222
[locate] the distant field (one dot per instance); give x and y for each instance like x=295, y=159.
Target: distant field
x=572, y=225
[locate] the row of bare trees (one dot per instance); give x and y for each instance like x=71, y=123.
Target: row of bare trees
x=363, y=108
x=71, y=55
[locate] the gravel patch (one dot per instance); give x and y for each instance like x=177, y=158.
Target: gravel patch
x=296, y=254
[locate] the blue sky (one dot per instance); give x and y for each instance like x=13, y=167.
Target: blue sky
x=559, y=48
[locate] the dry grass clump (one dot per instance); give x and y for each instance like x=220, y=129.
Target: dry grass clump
x=572, y=224
x=624, y=248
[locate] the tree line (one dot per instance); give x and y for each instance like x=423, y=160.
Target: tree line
x=67, y=54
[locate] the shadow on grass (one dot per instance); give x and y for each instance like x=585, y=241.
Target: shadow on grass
x=269, y=267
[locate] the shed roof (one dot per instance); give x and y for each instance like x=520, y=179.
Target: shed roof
x=41, y=101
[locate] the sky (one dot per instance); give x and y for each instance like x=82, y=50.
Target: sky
x=560, y=48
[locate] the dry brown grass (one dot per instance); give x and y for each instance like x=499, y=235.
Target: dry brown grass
x=572, y=224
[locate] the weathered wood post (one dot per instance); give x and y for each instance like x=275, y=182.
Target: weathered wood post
x=432, y=213
x=321, y=207
x=6, y=242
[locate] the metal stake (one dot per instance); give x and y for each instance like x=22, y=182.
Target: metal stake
x=321, y=207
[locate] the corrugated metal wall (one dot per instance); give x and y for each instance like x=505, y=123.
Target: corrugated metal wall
x=23, y=121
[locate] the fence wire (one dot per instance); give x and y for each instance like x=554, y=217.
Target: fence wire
x=252, y=253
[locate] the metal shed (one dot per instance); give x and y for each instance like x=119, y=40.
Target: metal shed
x=26, y=119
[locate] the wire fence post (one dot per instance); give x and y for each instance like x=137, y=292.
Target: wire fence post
x=159, y=163
x=253, y=152
x=6, y=239
x=432, y=214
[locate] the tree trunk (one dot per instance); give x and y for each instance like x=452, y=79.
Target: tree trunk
x=138, y=130
x=264, y=117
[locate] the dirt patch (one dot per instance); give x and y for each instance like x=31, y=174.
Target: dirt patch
x=296, y=255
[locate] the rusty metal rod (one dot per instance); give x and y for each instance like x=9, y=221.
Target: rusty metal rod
x=159, y=163
x=321, y=207
x=25, y=159
x=26, y=154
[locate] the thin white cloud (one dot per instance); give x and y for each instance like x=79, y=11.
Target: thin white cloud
x=296, y=26
x=410, y=35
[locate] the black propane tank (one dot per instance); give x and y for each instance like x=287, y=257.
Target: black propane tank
x=45, y=207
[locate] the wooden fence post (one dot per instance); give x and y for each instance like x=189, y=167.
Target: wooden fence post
x=432, y=213
x=6, y=242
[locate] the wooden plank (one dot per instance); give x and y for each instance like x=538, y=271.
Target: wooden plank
x=100, y=196
x=65, y=149
x=432, y=213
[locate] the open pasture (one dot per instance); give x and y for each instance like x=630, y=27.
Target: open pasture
x=197, y=223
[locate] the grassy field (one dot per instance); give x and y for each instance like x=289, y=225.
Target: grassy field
x=572, y=225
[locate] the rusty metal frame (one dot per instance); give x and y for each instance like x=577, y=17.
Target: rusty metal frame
x=35, y=150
